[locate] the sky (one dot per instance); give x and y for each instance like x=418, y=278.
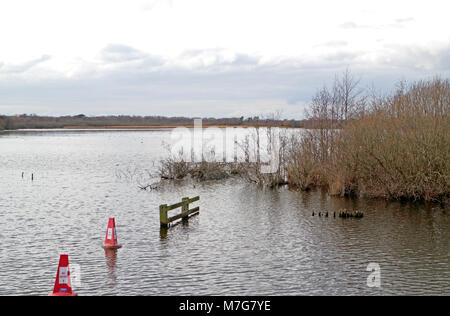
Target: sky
x=209, y=58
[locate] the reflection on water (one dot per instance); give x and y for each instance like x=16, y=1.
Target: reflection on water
x=111, y=257
x=246, y=240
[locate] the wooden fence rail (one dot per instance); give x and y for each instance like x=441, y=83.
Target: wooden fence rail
x=164, y=209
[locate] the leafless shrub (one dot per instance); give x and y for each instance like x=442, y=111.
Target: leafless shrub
x=273, y=155
x=145, y=179
x=396, y=147
x=175, y=167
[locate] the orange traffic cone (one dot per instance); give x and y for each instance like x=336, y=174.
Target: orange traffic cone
x=111, y=236
x=63, y=286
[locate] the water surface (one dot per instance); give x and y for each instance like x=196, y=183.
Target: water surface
x=246, y=240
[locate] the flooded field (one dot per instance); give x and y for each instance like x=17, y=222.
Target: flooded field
x=246, y=241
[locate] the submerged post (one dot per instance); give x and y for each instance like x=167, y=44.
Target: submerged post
x=163, y=218
x=185, y=208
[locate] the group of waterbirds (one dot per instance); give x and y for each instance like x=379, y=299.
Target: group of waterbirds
x=343, y=214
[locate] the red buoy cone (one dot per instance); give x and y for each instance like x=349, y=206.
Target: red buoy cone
x=111, y=236
x=63, y=286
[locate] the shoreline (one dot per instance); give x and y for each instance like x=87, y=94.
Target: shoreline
x=140, y=127
x=148, y=126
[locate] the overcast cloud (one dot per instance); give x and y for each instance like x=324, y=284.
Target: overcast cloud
x=208, y=58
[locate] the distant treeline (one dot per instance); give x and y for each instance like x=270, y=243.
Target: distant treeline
x=3, y=122
x=26, y=121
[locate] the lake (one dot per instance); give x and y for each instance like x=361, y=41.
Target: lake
x=246, y=240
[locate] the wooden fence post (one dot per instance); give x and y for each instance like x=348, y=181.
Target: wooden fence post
x=185, y=208
x=163, y=218
x=164, y=209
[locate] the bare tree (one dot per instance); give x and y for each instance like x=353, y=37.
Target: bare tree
x=348, y=97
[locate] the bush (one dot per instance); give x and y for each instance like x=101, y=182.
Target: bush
x=399, y=148
x=175, y=167
x=403, y=149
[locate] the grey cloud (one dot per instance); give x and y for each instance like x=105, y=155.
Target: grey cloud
x=343, y=57
x=418, y=58
x=23, y=67
x=444, y=59
x=191, y=53
x=171, y=91
x=220, y=60
x=116, y=53
x=224, y=87
x=129, y=58
x=244, y=59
